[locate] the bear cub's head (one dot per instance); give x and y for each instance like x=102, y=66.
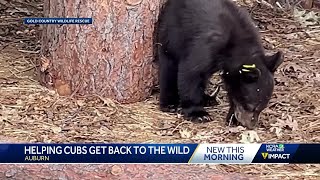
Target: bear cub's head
x=250, y=84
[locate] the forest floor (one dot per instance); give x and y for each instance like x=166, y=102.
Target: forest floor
x=31, y=113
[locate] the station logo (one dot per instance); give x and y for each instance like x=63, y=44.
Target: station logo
x=275, y=147
x=275, y=151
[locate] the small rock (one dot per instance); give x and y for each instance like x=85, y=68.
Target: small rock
x=116, y=170
x=11, y=173
x=133, y=2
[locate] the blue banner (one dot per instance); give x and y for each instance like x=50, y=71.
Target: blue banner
x=160, y=153
x=57, y=20
x=96, y=153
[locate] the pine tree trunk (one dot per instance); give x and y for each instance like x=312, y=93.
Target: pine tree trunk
x=112, y=57
x=316, y=4
x=307, y=4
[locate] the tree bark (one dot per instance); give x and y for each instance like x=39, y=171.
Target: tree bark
x=316, y=4
x=307, y=4
x=112, y=57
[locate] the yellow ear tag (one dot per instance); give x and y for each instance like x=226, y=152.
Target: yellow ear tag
x=247, y=66
x=245, y=70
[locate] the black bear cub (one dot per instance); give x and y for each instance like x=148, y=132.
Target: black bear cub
x=200, y=37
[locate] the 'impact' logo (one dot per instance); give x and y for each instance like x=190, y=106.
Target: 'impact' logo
x=264, y=155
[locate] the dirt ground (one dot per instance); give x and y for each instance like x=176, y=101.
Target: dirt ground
x=32, y=113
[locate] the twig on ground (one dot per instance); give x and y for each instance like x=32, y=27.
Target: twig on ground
x=30, y=52
x=176, y=128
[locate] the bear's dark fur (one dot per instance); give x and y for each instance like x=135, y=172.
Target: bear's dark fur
x=200, y=37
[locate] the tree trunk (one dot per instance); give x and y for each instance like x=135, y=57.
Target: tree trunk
x=307, y=4
x=112, y=57
x=316, y=4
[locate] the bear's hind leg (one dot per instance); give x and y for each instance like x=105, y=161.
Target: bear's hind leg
x=191, y=91
x=169, y=98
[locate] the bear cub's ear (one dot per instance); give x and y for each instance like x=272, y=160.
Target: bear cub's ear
x=274, y=61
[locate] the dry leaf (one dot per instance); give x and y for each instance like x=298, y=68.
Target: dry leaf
x=184, y=133
x=291, y=36
x=304, y=18
x=133, y=2
x=270, y=27
x=107, y=101
x=19, y=102
x=56, y=129
x=98, y=113
x=289, y=122
x=291, y=27
x=202, y=135
x=249, y=137
x=236, y=129
x=164, y=133
x=293, y=67
x=269, y=40
x=80, y=103
x=293, y=124
x=45, y=63
x=277, y=130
